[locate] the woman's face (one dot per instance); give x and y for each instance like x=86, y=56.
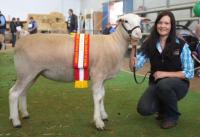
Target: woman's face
x=164, y=26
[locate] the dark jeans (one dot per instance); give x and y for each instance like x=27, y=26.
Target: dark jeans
x=13, y=39
x=2, y=31
x=163, y=97
x=33, y=31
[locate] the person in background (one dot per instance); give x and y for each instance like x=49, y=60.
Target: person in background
x=171, y=68
x=2, y=23
x=19, y=27
x=19, y=24
x=72, y=22
x=32, y=26
x=108, y=29
x=2, y=26
x=196, y=51
x=82, y=24
x=13, y=31
x=197, y=32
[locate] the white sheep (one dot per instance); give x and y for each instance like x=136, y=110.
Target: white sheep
x=23, y=33
x=51, y=55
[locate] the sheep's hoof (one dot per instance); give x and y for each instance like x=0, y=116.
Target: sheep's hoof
x=100, y=129
x=105, y=119
x=100, y=125
x=26, y=117
x=17, y=126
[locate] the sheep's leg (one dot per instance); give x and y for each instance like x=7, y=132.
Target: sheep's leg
x=14, y=94
x=23, y=106
x=13, y=102
x=98, y=94
x=104, y=115
x=23, y=102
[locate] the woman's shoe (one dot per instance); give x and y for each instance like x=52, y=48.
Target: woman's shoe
x=167, y=124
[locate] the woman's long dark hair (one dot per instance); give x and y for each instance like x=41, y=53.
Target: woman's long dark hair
x=149, y=46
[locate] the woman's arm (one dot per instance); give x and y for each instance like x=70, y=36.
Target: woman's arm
x=163, y=74
x=187, y=62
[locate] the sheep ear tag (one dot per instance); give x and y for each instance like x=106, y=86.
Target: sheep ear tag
x=81, y=60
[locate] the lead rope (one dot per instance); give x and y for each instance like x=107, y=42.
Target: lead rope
x=134, y=71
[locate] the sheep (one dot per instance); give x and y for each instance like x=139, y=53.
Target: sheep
x=22, y=33
x=51, y=55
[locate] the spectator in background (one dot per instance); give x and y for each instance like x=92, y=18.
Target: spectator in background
x=82, y=24
x=196, y=52
x=72, y=22
x=2, y=25
x=197, y=32
x=19, y=24
x=19, y=27
x=108, y=29
x=32, y=26
x=13, y=31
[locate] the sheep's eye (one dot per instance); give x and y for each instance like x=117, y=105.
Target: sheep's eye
x=126, y=21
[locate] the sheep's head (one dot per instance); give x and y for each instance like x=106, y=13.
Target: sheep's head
x=131, y=24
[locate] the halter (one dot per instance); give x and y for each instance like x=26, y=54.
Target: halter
x=129, y=31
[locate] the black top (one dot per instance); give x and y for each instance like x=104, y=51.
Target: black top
x=161, y=62
x=72, y=23
x=12, y=27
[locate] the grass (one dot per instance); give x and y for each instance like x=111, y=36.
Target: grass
x=59, y=110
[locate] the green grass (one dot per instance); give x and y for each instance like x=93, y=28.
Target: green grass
x=59, y=110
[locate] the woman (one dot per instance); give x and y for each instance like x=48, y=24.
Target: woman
x=171, y=69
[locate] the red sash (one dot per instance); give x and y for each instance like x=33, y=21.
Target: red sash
x=81, y=60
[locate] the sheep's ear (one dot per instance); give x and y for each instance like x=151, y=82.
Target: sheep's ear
x=145, y=20
x=120, y=19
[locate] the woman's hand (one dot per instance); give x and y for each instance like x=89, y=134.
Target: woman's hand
x=132, y=63
x=159, y=74
x=133, y=59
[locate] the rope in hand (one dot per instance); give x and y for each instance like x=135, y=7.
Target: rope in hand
x=134, y=69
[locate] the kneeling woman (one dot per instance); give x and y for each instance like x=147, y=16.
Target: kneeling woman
x=171, y=69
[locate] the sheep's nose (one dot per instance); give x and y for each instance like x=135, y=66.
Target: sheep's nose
x=138, y=34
